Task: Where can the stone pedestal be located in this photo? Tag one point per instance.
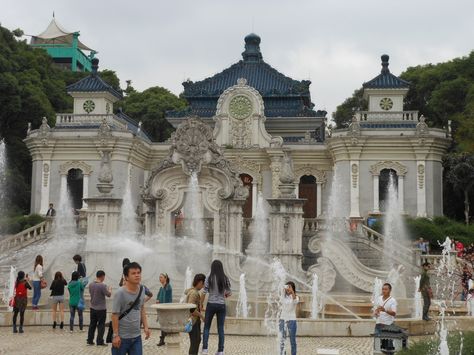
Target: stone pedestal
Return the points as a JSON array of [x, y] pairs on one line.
[[286, 232], [172, 318], [103, 215]]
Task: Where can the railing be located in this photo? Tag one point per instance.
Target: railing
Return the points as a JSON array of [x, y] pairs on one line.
[[399, 250], [70, 119], [311, 225], [25, 237], [436, 259], [387, 116]]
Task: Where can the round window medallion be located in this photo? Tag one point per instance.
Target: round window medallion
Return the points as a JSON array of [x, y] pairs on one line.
[[386, 103], [88, 106], [240, 107]]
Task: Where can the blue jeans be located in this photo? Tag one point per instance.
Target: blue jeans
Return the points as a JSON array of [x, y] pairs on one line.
[[211, 310], [290, 326], [131, 346], [72, 311], [36, 292]]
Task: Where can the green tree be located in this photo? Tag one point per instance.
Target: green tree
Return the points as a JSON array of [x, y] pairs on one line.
[[150, 106], [344, 112], [460, 174]]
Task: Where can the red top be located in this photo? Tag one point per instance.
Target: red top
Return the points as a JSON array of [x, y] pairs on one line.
[[21, 290]]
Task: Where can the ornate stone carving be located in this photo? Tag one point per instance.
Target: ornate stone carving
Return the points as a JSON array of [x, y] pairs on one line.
[[240, 107], [354, 127], [45, 174], [310, 169], [275, 168], [421, 176], [105, 174], [355, 174], [104, 129], [44, 129], [241, 133], [388, 164], [422, 127], [287, 175], [75, 164], [247, 166]]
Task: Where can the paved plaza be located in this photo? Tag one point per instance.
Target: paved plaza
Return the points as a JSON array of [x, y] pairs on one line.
[[46, 341]]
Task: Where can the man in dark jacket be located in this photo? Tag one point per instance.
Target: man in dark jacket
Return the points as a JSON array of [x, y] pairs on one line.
[[425, 290]]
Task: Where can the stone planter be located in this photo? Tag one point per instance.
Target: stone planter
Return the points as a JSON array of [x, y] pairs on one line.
[[172, 318]]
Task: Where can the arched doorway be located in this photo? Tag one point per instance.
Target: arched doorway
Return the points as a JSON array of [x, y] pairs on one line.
[[384, 181], [75, 183], [307, 189], [247, 208]]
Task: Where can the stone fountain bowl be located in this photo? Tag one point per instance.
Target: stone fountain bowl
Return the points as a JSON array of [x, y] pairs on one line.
[[173, 316]]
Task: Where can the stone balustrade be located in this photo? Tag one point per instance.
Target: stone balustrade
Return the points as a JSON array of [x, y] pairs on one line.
[[363, 116], [25, 237], [70, 119], [311, 225], [436, 259]]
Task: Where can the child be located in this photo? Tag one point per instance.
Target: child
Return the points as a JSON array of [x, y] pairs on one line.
[[22, 284], [194, 296]]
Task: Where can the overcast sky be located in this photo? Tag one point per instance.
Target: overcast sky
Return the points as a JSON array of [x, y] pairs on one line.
[[336, 44]]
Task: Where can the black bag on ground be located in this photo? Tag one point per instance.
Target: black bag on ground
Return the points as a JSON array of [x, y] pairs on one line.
[[110, 331]]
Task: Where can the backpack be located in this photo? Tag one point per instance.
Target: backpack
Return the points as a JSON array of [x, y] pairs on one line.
[[20, 290]]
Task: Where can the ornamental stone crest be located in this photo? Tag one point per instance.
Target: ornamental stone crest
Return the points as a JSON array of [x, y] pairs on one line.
[[422, 127], [287, 175], [240, 107], [388, 164], [75, 164], [309, 169]]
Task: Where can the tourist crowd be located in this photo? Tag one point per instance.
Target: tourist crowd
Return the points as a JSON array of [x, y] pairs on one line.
[[128, 300]]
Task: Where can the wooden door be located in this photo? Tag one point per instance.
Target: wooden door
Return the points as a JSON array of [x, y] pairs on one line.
[[307, 189], [247, 208]]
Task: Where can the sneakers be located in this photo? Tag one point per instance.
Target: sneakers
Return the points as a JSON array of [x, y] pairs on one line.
[[220, 353], [91, 343], [204, 352]]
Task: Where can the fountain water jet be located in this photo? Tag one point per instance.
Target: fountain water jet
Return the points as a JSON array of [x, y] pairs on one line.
[[376, 293], [242, 304], [65, 221], [188, 282], [418, 306], [128, 217], [315, 306], [3, 168]]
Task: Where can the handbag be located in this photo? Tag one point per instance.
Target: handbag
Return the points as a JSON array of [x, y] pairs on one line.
[[11, 302], [43, 283], [81, 305], [110, 331], [188, 326]]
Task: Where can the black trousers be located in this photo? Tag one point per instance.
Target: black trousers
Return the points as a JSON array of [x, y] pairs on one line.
[[98, 318], [195, 338], [15, 315], [426, 304]]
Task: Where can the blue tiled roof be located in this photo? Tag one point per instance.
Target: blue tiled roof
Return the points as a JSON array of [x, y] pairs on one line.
[[386, 80], [93, 83], [283, 96]]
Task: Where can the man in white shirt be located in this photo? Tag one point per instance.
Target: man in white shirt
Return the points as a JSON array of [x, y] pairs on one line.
[[386, 310]]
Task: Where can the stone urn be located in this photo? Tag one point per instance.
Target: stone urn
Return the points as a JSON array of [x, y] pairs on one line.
[[172, 318]]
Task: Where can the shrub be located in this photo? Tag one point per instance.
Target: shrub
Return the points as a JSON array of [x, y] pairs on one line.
[[15, 224], [430, 347]]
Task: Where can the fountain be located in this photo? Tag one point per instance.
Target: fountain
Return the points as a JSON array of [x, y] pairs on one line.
[[315, 306], [394, 228], [188, 283], [418, 305], [193, 209], [242, 304], [128, 217], [259, 244], [376, 293], [65, 221], [338, 204]]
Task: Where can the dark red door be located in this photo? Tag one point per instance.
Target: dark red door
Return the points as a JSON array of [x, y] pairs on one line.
[[247, 209], [307, 190]]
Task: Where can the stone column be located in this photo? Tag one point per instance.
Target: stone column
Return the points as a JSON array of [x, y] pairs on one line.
[[85, 190], [45, 186], [401, 193], [420, 190], [319, 206], [355, 211], [376, 193], [275, 167]]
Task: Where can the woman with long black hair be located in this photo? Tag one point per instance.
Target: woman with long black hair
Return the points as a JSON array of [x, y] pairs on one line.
[[22, 285], [217, 285]]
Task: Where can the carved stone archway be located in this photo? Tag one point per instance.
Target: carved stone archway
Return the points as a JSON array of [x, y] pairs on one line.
[[401, 171]]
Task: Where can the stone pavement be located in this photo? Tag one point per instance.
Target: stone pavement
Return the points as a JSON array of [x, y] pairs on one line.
[[38, 340]]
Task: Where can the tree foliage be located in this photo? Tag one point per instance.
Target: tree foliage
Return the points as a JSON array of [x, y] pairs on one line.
[[150, 106], [344, 112]]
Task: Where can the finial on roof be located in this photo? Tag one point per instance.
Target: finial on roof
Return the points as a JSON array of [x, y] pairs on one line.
[[385, 59], [252, 48], [95, 65]]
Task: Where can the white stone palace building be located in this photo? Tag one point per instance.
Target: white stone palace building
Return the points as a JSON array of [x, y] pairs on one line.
[[256, 116]]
